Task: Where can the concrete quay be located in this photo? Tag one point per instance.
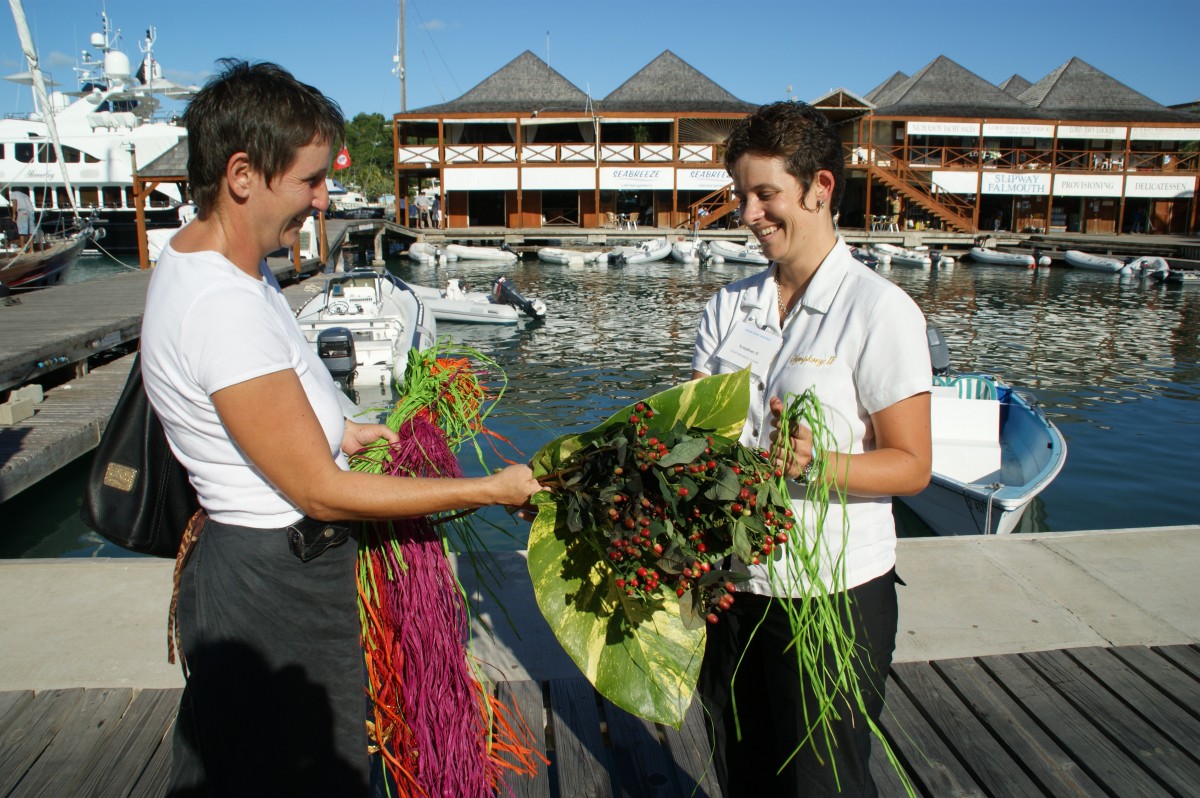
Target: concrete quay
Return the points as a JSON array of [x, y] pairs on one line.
[[102, 623]]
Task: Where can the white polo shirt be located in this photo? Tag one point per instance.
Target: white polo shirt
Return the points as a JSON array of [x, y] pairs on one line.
[[859, 342]]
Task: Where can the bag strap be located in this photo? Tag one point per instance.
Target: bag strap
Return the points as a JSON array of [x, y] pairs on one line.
[[190, 534]]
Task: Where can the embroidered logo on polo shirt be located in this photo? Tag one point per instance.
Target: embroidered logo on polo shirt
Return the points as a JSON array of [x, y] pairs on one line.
[[812, 360]]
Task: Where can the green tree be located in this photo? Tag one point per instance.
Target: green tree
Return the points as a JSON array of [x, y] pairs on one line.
[[369, 140]]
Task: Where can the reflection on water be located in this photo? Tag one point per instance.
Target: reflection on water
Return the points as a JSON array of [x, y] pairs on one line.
[[1115, 364]]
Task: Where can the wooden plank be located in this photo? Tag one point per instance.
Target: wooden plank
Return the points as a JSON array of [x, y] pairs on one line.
[[114, 767], [1071, 729], [12, 704], [526, 697], [29, 734], [643, 768], [1148, 700], [583, 764], [887, 780], [1164, 674], [990, 764], [934, 769], [60, 767], [1156, 753], [689, 748], [1035, 751], [1185, 657], [152, 783]]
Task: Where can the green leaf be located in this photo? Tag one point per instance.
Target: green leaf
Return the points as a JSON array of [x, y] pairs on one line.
[[741, 542], [684, 452], [646, 666]]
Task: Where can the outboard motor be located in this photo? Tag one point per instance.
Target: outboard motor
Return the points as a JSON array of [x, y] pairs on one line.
[[506, 293], [335, 347], [939, 352]]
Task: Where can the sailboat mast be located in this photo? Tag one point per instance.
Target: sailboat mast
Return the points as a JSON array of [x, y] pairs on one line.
[[43, 99], [399, 58]]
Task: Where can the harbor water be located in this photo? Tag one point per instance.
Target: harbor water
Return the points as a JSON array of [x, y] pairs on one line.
[[1114, 362]]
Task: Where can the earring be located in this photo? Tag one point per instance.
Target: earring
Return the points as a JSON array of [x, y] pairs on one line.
[[820, 205]]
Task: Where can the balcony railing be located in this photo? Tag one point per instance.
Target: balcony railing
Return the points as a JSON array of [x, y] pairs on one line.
[[623, 153], [1066, 160]]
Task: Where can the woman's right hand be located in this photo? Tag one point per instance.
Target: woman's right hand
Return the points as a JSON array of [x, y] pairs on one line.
[[514, 485]]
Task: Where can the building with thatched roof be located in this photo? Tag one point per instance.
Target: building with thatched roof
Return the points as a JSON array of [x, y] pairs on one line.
[[528, 148], [1076, 151]]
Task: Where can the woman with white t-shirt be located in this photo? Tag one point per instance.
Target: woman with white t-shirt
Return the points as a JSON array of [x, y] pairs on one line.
[[275, 695], [814, 319]]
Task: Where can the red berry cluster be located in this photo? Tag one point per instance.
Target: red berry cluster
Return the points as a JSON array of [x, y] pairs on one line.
[[666, 508]]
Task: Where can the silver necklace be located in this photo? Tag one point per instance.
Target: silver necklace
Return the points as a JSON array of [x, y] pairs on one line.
[[783, 311]]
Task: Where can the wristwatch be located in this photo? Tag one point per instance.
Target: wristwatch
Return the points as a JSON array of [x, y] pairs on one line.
[[806, 472]]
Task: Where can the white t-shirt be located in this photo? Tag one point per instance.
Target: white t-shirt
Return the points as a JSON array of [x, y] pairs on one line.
[[859, 342], [208, 325]]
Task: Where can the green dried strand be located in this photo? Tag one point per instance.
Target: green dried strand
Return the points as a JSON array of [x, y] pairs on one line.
[[816, 618]]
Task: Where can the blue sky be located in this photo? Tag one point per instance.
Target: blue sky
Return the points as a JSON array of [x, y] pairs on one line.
[[758, 51]]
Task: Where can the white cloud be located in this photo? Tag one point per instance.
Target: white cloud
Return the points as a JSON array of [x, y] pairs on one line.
[[435, 24]]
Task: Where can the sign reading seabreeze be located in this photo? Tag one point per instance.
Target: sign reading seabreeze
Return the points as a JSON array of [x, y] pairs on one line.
[[701, 179], [1032, 183], [633, 178]]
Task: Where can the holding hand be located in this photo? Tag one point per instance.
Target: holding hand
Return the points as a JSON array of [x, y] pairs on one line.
[[356, 435], [514, 486], [800, 449]]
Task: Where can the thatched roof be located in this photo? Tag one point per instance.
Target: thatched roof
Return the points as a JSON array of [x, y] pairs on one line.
[[1077, 90], [883, 88], [1015, 85], [523, 85], [943, 88], [670, 84], [171, 165]]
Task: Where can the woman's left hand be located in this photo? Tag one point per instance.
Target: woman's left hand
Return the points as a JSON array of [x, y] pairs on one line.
[[800, 449], [358, 435]]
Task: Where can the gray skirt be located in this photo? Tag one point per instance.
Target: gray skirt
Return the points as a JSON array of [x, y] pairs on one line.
[[275, 702]]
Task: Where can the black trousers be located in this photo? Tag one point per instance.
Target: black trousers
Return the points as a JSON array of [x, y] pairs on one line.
[[275, 701], [773, 698]]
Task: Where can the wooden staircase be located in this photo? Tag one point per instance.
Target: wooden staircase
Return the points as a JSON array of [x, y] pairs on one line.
[[707, 210], [918, 187]]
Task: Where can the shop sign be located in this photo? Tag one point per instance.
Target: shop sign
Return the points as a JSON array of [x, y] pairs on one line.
[[943, 128], [1090, 132], [1165, 134], [1087, 185], [1149, 186], [537, 178], [635, 178], [956, 182], [1015, 183], [701, 179], [1018, 131]]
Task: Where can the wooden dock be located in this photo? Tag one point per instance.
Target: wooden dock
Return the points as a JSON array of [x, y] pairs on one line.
[[1121, 721]]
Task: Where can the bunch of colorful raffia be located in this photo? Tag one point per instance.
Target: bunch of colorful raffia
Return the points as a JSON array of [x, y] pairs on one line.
[[436, 724]]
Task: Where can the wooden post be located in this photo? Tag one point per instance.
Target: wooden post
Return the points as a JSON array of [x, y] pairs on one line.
[[139, 211], [322, 239]]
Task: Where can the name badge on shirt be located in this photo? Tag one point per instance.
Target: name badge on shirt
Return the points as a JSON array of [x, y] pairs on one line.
[[750, 345]]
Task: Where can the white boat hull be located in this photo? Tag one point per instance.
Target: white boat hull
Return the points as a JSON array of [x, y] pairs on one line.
[[738, 253], [985, 486], [687, 251], [899, 256], [649, 251], [566, 257], [491, 254], [384, 315], [995, 258], [1095, 263]]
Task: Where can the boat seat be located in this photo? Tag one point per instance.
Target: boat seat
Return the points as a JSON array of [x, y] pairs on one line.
[[966, 438], [975, 388]]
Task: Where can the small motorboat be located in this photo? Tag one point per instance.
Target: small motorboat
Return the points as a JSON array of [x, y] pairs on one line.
[[749, 252], [500, 254], [45, 265], [689, 250], [363, 324], [865, 257], [995, 257], [902, 256], [502, 305], [1096, 263], [648, 251], [1151, 268], [424, 253], [567, 257], [994, 451]]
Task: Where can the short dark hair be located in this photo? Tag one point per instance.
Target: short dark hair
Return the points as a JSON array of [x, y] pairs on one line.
[[799, 134], [259, 109]]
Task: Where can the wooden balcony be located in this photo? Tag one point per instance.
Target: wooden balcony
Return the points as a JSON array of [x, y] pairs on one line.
[[424, 156]]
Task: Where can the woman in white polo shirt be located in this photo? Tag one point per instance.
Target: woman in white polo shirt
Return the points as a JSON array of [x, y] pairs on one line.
[[815, 318]]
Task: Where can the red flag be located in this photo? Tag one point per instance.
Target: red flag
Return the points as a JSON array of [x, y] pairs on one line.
[[342, 160]]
